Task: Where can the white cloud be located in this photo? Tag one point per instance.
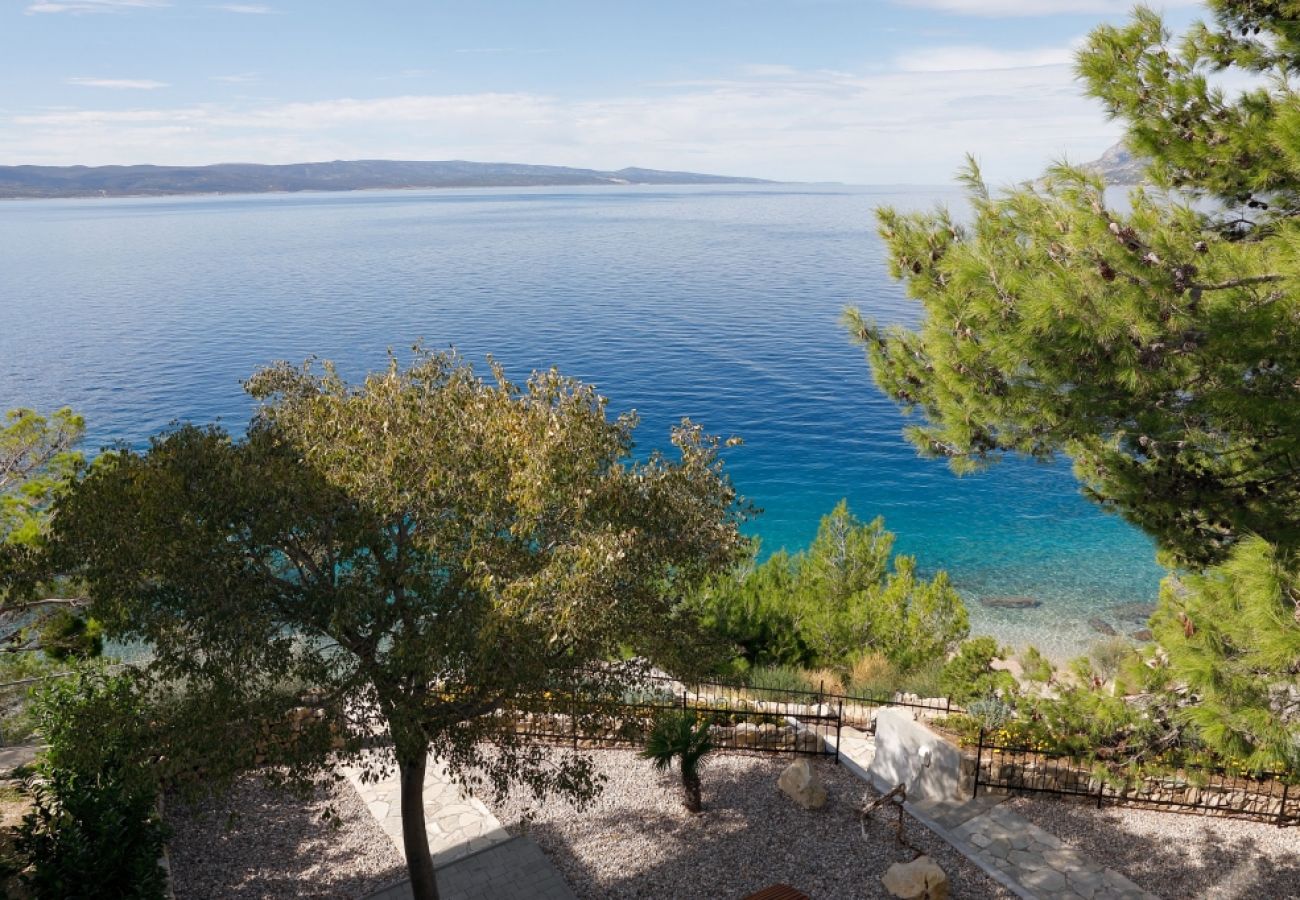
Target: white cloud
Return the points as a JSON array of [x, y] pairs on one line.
[[247, 9], [1017, 8], [240, 78], [1015, 114], [121, 84], [977, 59], [77, 7]]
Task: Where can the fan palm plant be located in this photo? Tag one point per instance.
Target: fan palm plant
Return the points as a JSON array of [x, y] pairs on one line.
[[681, 735]]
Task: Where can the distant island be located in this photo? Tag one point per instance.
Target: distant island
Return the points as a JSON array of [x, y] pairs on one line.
[[1118, 166], [18, 182]]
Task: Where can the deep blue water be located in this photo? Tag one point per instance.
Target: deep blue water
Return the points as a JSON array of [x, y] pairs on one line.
[[721, 304]]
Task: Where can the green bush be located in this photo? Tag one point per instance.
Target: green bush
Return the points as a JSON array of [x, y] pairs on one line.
[[94, 831], [782, 682], [1036, 666], [970, 674], [1108, 656], [680, 735], [846, 596], [991, 713], [68, 636], [92, 836]]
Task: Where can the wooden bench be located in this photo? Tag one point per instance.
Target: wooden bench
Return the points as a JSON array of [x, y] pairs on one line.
[[779, 892]]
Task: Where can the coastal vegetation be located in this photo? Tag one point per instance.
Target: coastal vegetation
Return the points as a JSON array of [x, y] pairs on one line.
[[1155, 345], [390, 563], [415, 563], [846, 601]]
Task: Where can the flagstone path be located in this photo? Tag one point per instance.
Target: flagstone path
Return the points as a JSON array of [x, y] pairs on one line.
[[458, 825], [475, 858], [1023, 857]]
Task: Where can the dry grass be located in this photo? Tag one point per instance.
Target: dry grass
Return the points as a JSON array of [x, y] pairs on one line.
[[15, 803]]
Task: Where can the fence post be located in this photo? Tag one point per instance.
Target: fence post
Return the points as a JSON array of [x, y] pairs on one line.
[[1281, 810], [839, 723], [1101, 792], [979, 759]]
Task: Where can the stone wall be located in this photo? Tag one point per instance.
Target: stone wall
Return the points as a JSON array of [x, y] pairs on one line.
[[1261, 799]]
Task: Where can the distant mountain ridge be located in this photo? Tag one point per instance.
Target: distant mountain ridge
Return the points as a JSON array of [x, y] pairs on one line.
[[353, 175], [1119, 166]]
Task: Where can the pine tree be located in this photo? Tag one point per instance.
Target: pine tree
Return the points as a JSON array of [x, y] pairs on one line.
[[1157, 345]]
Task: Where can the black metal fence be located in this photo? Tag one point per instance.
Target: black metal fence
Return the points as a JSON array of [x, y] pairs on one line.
[[1262, 797], [740, 718]]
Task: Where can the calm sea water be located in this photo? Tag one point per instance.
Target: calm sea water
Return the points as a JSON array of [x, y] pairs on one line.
[[721, 304]]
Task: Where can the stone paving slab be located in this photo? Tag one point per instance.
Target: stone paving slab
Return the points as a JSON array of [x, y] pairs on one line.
[[457, 824], [1031, 862], [515, 869]]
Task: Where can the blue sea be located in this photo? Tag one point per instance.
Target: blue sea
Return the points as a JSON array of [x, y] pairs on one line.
[[717, 303]]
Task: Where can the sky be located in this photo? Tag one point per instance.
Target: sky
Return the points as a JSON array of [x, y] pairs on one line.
[[855, 91]]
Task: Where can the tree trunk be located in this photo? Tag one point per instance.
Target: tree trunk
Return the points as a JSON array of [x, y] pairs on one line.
[[691, 792], [415, 838]]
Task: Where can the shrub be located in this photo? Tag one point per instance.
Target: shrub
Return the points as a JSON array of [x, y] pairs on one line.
[[1109, 655], [873, 675], [68, 636], [924, 681], [970, 674], [94, 832], [1036, 666], [846, 595], [92, 836], [680, 735], [991, 713], [781, 682]]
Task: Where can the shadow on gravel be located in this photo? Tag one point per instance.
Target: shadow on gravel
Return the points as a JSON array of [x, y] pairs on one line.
[[750, 836], [1181, 856], [257, 842]]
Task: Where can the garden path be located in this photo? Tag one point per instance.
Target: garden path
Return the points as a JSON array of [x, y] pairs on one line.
[[1018, 854], [475, 858], [458, 824]]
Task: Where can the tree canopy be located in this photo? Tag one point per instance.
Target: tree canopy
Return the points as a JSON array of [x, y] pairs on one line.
[[836, 601], [38, 460], [1155, 342], [1156, 345], [410, 554], [37, 457]]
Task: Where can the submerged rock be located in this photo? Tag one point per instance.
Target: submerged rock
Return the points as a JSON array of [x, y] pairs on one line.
[[1011, 602], [1144, 635], [1101, 626], [1137, 613]]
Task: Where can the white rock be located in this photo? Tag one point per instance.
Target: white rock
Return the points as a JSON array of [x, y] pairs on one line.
[[920, 879], [800, 783]]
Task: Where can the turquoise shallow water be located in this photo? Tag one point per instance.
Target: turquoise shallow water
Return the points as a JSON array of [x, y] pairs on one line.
[[717, 303]]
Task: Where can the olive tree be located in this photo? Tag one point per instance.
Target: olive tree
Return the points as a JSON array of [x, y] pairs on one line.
[[417, 553]]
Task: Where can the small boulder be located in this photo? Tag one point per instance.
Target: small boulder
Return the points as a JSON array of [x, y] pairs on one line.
[[1144, 635], [800, 783], [920, 879], [1101, 626]]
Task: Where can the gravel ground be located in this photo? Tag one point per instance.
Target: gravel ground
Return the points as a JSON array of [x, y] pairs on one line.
[[1176, 855], [279, 846], [637, 840]]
